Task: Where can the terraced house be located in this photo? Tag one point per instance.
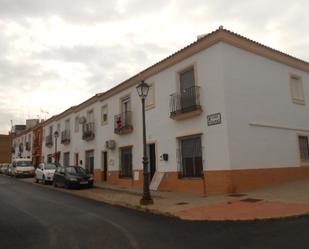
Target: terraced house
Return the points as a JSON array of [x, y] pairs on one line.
[[26, 143], [224, 114]]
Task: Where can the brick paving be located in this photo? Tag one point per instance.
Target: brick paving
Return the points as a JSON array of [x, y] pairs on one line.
[[240, 210], [291, 199]]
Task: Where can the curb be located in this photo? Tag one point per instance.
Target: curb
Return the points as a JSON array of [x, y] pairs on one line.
[[158, 212]]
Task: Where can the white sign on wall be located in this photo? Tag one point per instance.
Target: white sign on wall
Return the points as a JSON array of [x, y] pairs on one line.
[[214, 119]]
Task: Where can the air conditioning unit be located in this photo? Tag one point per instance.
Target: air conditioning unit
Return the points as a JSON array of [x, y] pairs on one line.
[[110, 144], [82, 120]]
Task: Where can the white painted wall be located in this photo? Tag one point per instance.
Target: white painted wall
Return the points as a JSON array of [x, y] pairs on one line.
[[23, 139], [257, 90], [160, 127], [243, 87]]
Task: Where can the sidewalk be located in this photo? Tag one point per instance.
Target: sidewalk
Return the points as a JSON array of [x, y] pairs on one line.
[[291, 199]]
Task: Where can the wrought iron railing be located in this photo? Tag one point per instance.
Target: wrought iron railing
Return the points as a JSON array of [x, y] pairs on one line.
[[186, 101], [65, 137], [123, 122], [88, 131]]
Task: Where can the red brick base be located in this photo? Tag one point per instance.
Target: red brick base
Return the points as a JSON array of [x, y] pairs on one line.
[[215, 182]]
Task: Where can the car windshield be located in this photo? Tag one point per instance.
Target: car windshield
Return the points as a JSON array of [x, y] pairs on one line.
[[75, 170], [50, 166], [23, 163]]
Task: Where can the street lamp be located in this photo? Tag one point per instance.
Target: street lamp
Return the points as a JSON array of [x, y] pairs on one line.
[[56, 135], [142, 90]]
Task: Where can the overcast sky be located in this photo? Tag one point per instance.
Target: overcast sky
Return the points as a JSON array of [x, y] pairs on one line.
[[57, 53]]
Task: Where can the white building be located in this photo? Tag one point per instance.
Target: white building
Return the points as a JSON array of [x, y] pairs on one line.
[[22, 145], [224, 114]]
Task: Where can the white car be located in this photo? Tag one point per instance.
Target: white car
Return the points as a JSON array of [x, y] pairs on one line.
[[45, 172], [22, 167]]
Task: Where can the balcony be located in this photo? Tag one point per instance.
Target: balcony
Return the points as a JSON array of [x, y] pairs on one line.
[[123, 123], [28, 146], [185, 104], [65, 137], [49, 140], [88, 131]]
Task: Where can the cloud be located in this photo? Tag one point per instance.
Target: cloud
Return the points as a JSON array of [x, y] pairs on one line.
[[55, 54]]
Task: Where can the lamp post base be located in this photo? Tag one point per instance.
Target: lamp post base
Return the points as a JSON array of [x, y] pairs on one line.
[[146, 202]]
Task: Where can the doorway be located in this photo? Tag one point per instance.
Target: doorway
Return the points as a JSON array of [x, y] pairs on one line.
[[76, 159], [89, 161], [66, 159], [152, 159], [104, 165]]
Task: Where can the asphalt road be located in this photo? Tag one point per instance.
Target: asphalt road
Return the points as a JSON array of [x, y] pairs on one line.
[[33, 217]]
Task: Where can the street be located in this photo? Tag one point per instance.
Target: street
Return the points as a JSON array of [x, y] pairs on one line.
[[36, 217]]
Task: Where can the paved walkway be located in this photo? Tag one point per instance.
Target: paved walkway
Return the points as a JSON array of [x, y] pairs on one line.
[[291, 199]]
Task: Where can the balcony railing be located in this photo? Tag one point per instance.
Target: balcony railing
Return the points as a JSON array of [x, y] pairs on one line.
[[65, 137], [49, 140], [188, 101], [123, 123], [88, 131]]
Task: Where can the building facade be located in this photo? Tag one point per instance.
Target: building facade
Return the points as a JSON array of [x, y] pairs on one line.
[[225, 114], [5, 148], [24, 140], [37, 156]]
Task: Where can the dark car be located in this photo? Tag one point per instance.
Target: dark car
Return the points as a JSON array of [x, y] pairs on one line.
[[72, 177]]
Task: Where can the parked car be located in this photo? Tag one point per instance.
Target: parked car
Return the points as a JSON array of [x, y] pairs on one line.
[[23, 167], [45, 172], [72, 176], [4, 169]]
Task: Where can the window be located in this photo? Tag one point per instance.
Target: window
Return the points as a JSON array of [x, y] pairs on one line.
[[125, 104], [104, 115], [186, 80], [303, 148], [76, 127], [66, 159], [126, 162], [150, 100], [297, 90], [50, 130], [90, 116], [58, 127], [191, 156], [67, 125]]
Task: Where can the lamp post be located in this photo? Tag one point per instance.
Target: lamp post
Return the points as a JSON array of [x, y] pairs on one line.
[[56, 135], [142, 90]]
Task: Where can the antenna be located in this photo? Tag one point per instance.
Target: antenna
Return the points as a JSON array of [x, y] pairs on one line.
[[44, 112]]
